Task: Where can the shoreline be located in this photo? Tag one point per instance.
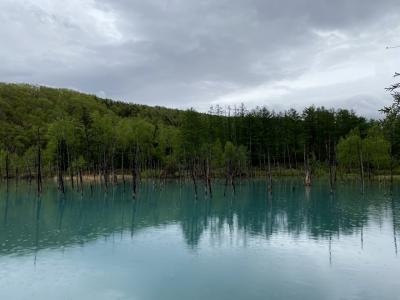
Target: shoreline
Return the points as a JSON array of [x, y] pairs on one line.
[[275, 175]]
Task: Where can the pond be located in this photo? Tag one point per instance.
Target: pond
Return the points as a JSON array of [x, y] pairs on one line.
[[297, 243]]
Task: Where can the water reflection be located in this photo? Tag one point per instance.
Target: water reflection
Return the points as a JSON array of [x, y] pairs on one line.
[[29, 224]]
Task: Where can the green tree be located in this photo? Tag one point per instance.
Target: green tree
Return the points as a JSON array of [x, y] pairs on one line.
[[348, 150], [376, 148]]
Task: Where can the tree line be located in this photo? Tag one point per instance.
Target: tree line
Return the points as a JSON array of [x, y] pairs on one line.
[[59, 133]]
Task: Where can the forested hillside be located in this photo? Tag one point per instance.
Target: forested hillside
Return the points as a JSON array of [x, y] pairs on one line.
[[63, 132]]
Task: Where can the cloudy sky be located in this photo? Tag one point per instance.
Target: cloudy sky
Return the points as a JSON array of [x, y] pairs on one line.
[[197, 53]]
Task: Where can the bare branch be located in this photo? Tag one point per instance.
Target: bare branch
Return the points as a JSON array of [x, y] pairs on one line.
[[393, 87]]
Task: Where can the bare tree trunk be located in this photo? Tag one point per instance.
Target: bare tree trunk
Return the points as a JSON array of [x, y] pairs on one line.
[[135, 168], [71, 173], [39, 166], [205, 177], [209, 178], [134, 176], [229, 178], [105, 169], [114, 176], [288, 153], [81, 180], [134, 179], [331, 163], [334, 165], [332, 174], [77, 179], [16, 175], [123, 171], [60, 170], [7, 168], [233, 181], [391, 169], [307, 171], [94, 174], [361, 169], [226, 183], [284, 157], [194, 179], [29, 172], [269, 174], [61, 181]]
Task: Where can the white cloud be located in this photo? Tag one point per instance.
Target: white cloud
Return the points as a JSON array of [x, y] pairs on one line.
[[197, 53]]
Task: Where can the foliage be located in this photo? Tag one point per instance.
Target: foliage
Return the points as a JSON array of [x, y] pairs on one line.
[[348, 149], [78, 130]]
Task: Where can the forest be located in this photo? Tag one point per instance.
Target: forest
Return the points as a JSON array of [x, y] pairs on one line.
[[75, 137]]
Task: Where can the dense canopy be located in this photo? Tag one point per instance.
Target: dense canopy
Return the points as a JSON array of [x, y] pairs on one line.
[[79, 133]]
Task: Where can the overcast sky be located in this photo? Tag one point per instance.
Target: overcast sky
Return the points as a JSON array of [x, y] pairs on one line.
[[197, 53]]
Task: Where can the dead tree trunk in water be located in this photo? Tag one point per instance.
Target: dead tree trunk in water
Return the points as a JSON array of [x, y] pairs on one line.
[[269, 174], [391, 168], [81, 179], [71, 171], [209, 178], [60, 181], [122, 167], [114, 175], [332, 176], [194, 178], [288, 153], [360, 154], [229, 178], [226, 180], [16, 175], [7, 168], [233, 181], [205, 177], [39, 165], [29, 172], [60, 170], [307, 171], [134, 178], [332, 166], [135, 171], [105, 169]]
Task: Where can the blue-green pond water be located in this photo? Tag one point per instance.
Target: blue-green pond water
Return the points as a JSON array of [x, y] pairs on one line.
[[295, 244]]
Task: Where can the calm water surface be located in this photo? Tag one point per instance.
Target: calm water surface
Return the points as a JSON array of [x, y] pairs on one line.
[[297, 244]]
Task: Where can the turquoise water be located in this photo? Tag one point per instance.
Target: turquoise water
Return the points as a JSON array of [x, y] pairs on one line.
[[295, 244]]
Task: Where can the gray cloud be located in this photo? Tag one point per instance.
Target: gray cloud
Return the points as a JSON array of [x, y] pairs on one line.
[[196, 53]]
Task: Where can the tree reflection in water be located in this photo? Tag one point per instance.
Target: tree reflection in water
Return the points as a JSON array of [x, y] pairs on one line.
[[29, 224]]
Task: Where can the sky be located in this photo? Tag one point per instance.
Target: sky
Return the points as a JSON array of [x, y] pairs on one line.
[[199, 53]]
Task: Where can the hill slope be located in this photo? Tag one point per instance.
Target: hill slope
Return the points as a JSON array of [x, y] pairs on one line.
[[24, 106], [79, 131]]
